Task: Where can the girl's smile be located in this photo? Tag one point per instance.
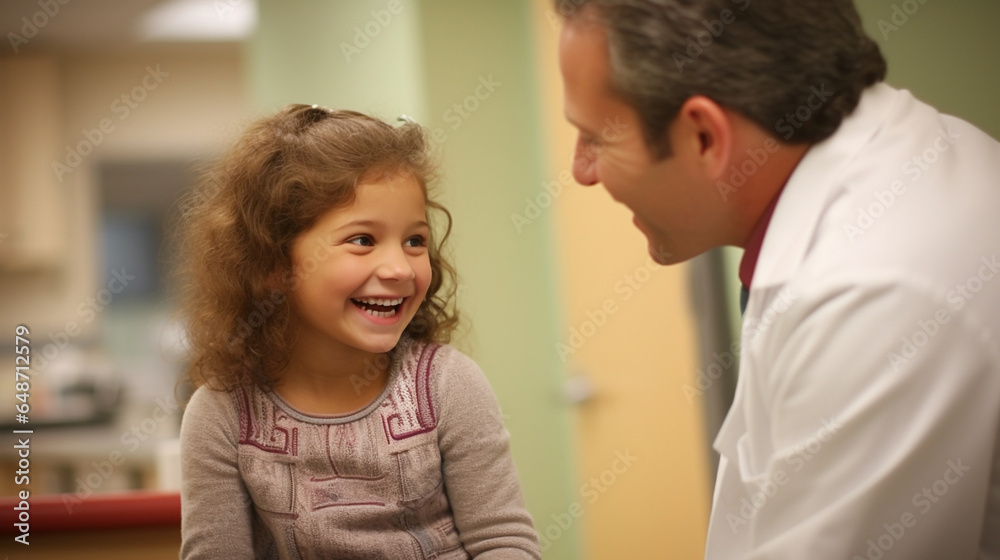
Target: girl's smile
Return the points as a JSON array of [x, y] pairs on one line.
[[382, 310]]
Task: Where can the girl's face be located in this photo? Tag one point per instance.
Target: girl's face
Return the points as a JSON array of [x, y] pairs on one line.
[[361, 272]]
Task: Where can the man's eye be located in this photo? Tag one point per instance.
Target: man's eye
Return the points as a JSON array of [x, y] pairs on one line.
[[593, 143], [362, 240]]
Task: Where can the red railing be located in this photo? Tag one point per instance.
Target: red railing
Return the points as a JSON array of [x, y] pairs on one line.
[[66, 512]]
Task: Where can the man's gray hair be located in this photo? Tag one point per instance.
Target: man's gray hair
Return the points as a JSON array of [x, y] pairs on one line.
[[794, 67]]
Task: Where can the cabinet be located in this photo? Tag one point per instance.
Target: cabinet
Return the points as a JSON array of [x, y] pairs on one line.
[[32, 209]]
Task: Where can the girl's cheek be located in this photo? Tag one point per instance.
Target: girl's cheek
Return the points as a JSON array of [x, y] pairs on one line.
[[424, 277]]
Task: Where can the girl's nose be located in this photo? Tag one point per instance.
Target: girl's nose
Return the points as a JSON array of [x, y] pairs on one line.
[[395, 266], [584, 163]]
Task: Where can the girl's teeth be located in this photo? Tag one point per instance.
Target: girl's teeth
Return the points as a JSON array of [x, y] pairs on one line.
[[379, 301], [381, 314]]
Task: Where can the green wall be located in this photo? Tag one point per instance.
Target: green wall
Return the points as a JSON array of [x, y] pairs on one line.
[[298, 56], [947, 52], [493, 160], [466, 70]]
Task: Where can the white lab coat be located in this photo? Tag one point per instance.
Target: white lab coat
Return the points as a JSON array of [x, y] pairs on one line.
[[865, 422]]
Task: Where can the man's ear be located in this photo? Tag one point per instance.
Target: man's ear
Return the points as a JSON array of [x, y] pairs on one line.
[[705, 130]]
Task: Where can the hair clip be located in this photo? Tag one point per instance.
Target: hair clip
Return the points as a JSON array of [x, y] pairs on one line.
[[406, 119]]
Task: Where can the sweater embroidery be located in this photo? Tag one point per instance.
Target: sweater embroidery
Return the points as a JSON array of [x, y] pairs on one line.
[[418, 417]]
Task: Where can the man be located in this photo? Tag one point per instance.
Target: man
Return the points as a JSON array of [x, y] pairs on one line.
[[865, 422]]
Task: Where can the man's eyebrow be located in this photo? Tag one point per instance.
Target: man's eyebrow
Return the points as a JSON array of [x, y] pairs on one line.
[[579, 126]]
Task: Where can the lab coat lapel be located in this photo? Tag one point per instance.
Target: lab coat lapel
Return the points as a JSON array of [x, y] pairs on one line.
[[793, 226], [816, 181], [813, 185]]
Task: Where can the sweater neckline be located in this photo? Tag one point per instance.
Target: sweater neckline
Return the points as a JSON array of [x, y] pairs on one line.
[[395, 365]]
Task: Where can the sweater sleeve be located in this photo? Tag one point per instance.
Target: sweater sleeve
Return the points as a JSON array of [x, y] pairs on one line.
[[479, 474], [216, 516]]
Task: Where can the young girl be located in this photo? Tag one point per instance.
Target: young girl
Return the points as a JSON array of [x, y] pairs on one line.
[[330, 420]]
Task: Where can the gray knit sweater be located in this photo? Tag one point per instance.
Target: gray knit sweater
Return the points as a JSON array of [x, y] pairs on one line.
[[424, 471]]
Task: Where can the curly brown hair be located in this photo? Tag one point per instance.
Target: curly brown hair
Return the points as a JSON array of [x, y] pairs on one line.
[[237, 227]]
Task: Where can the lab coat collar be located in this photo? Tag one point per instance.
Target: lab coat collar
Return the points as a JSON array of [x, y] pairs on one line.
[[812, 184]]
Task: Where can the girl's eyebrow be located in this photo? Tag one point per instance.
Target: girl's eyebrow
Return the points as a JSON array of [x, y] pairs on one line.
[[375, 223]]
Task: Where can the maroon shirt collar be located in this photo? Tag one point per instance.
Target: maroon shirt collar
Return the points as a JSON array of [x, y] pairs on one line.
[[752, 251]]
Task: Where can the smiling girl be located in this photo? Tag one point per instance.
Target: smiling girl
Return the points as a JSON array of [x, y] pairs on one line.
[[331, 420]]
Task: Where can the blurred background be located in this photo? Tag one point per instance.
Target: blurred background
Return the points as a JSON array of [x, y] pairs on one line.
[[613, 373]]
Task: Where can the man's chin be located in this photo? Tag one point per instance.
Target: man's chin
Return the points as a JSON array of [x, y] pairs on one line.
[[659, 257], [658, 250], [659, 253]]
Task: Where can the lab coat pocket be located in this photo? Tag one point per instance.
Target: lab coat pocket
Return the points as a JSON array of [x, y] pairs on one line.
[[753, 470]]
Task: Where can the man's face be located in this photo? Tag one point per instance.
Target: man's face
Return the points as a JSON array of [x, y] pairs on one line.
[[669, 198]]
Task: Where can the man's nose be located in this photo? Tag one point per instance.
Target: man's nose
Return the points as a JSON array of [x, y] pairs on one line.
[[584, 163]]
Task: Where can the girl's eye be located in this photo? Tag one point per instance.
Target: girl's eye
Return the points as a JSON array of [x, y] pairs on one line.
[[416, 241], [362, 240]]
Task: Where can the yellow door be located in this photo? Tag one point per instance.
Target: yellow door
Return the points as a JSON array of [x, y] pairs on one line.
[[628, 341]]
